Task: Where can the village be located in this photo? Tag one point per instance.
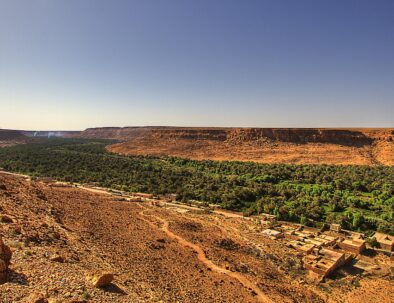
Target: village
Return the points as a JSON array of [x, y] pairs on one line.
[[322, 252]]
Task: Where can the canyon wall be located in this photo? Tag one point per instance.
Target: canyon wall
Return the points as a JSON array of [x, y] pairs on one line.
[[265, 145]]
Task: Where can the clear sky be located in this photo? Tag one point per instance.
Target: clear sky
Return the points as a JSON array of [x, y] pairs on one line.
[[72, 64]]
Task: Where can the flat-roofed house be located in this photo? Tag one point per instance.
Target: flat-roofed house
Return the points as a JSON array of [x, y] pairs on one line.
[[291, 234], [385, 241], [303, 247], [327, 240], [325, 262], [274, 234], [315, 241], [143, 195], [299, 235], [353, 245], [336, 227]]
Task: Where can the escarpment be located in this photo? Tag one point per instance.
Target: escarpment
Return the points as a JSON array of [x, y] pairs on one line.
[[10, 137], [265, 145]]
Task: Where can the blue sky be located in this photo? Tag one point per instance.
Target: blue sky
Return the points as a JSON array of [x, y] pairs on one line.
[[85, 63]]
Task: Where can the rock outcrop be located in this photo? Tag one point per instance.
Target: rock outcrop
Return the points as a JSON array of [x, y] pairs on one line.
[[5, 259]]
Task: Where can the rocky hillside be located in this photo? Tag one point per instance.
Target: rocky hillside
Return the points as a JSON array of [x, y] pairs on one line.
[[53, 250], [57, 246], [11, 137], [266, 145]]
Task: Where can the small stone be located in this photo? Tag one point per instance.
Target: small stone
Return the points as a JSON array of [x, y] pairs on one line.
[[57, 258]]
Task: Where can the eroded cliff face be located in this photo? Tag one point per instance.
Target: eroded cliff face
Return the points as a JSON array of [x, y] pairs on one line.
[[293, 135], [267, 145], [7, 134], [302, 135]]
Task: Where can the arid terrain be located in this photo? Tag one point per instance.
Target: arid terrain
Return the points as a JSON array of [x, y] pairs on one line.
[[11, 137], [59, 235], [265, 145]]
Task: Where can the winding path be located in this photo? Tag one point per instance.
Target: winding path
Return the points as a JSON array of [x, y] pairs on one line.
[[207, 262]]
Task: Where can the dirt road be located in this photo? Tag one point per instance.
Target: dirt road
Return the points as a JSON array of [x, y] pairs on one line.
[[203, 258]]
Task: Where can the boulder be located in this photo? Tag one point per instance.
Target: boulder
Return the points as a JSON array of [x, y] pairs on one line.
[[100, 279], [5, 259]]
